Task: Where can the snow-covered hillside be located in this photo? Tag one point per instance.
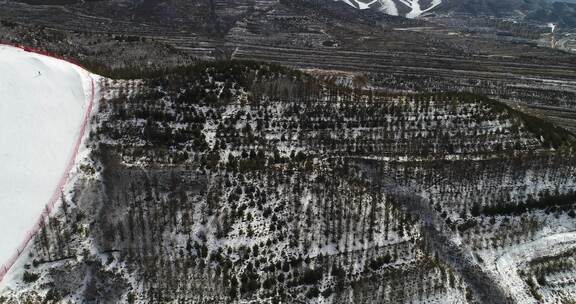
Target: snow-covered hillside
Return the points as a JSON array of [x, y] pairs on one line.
[[407, 8], [44, 104]]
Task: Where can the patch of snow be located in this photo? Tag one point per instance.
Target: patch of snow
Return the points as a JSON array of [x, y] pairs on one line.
[[359, 4], [390, 6], [43, 102], [506, 265], [416, 8]]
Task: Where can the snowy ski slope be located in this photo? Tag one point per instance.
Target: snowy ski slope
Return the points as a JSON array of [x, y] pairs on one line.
[[44, 104], [391, 7]]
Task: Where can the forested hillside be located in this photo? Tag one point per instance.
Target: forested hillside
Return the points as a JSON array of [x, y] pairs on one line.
[[244, 182]]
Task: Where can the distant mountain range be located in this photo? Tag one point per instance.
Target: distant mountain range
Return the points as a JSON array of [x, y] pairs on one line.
[[204, 12], [563, 12]]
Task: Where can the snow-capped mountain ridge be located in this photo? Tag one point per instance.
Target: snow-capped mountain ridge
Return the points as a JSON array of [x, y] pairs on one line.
[[407, 8]]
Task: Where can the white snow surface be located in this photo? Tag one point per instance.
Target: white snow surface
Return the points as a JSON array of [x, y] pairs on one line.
[[43, 101], [390, 7], [507, 263]]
